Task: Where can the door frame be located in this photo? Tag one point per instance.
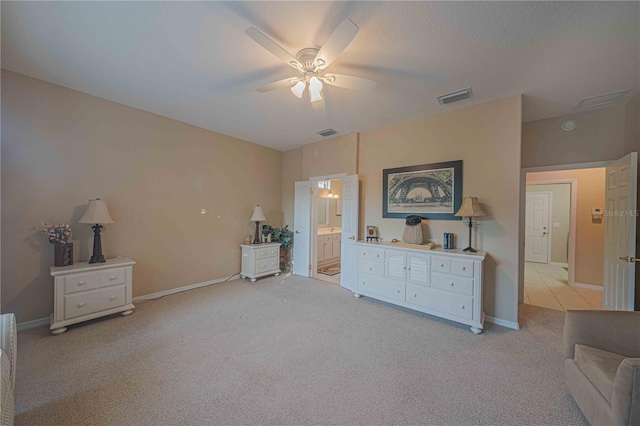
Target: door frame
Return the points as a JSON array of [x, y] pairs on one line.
[[549, 222], [573, 205], [313, 230], [523, 201]]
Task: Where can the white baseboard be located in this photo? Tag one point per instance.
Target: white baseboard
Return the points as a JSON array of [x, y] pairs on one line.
[[566, 265], [503, 323], [160, 294], [33, 324], [589, 286]]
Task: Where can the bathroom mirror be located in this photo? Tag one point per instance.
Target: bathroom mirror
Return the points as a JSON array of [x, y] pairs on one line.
[[323, 212]]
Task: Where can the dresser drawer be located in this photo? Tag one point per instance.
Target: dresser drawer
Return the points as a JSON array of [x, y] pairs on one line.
[[81, 282], [373, 254], [449, 303], [266, 265], [113, 276], [262, 253], [88, 302], [453, 284], [336, 237], [462, 267], [371, 268], [383, 287], [441, 264]]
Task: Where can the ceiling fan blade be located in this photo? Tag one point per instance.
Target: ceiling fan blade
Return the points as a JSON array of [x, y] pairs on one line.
[[318, 106], [272, 47], [287, 82], [349, 82], [337, 42]]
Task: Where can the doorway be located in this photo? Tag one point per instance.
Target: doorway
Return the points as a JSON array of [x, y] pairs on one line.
[[563, 245], [329, 230]]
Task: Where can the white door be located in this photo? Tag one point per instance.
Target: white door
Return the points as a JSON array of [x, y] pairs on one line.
[[301, 228], [536, 233], [620, 233], [348, 254]]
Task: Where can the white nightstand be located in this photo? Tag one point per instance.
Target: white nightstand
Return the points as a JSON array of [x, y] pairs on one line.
[[86, 291], [259, 260]]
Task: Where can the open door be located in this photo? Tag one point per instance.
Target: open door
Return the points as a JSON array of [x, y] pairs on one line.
[[620, 233], [536, 231], [348, 256], [302, 228]]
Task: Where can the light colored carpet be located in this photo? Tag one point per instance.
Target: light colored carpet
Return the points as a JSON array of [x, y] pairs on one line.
[[290, 350]]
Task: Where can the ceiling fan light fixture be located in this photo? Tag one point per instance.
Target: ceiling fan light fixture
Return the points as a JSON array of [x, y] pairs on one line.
[[298, 89], [315, 89]]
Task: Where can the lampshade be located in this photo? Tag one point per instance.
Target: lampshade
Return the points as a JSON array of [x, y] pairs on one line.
[[470, 208], [315, 87], [96, 212], [258, 215], [298, 89]]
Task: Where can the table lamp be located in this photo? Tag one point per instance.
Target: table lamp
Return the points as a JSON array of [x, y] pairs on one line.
[[257, 217], [470, 208], [97, 214]]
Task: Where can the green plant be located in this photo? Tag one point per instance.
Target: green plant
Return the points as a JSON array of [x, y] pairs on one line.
[[283, 236]]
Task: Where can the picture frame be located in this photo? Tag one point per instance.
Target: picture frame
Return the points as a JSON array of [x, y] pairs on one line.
[[431, 191]]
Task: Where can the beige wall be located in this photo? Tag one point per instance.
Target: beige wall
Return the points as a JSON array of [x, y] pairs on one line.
[[559, 214], [291, 173], [61, 147], [632, 128], [487, 138], [599, 136], [589, 235]]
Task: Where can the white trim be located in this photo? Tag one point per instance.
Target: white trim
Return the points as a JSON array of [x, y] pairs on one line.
[[565, 265], [589, 286], [328, 177], [561, 167], [159, 294], [504, 323], [33, 324]]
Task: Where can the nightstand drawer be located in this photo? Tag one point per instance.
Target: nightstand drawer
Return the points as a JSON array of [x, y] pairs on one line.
[[265, 265], [92, 301], [387, 288], [372, 268], [81, 282], [462, 267], [373, 254], [262, 253], [273, 251], [452, 284], [452, 304], [113, 276]]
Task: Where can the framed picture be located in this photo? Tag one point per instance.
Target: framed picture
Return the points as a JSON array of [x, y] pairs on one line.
[[432, 191]]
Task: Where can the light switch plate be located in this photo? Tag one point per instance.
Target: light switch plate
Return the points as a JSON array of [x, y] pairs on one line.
[[556, 225]]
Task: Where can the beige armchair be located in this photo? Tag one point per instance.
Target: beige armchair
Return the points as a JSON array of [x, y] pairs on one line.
[[602, 365], [8, 352]]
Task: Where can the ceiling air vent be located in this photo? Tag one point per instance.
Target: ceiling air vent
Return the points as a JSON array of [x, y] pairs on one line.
[[327, 132], [596, 101], [455, 96]]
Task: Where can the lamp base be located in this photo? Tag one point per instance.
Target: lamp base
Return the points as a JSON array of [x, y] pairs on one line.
[[256, 239], [97, 256], [97, 259], [470, 249]]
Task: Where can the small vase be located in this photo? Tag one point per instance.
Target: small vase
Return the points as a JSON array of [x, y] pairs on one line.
[[63, 254]]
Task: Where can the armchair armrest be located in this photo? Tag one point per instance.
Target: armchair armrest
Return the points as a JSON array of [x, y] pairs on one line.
[[625, 400], [612, 331], [9, 342]]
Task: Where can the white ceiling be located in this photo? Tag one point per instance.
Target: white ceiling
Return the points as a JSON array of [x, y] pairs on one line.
[[192, 61]]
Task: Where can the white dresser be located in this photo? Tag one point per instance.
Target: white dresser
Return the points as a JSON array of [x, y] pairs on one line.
[[443, 283], [259, 260], [86, 291]]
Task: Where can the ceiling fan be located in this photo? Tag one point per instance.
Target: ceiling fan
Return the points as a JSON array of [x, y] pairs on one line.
[[311, 64]]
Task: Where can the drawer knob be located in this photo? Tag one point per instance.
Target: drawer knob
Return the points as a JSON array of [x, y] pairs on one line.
[[461, 306], [370, 268], [80, 305], [452, 284], [363, 283], [398, 291], [404, 267], [81, 283], [463, 268], [112, 298], [442, 265], [415, 295], [364, 253], [377, 255], [111, 278]]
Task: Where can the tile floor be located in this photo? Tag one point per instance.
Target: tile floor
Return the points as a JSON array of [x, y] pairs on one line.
[[547, 286]]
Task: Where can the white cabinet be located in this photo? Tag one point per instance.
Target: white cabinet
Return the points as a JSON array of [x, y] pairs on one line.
[[86, 291], [447, 284], [259, 260], [329, 247]]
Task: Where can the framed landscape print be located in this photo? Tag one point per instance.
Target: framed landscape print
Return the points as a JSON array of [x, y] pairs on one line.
[[432, 191]]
